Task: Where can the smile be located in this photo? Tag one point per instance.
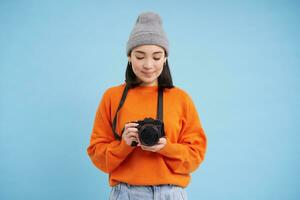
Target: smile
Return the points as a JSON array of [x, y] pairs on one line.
[[147, 74]]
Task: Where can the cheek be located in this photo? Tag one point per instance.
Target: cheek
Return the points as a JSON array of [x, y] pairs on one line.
[[135, 68], [136, 65], [160, 69]]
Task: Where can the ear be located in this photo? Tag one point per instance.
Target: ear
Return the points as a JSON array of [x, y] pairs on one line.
[[129, 58]]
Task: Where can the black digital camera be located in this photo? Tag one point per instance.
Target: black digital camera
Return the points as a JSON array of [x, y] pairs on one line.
[[149, 131]]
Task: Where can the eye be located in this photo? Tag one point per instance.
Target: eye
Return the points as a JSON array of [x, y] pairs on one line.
[[156, 58], [139, 58]]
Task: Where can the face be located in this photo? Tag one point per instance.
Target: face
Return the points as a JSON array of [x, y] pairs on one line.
[[147, 63]]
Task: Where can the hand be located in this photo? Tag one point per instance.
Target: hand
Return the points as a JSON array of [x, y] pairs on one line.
[[130, 133], [161, 144]]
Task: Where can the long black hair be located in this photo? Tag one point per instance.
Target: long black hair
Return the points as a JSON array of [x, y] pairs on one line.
[[164, 79]]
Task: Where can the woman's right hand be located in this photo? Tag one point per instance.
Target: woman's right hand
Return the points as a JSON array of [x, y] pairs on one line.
[[130, 133]]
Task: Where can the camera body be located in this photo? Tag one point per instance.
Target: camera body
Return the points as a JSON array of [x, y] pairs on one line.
[[150, 130]]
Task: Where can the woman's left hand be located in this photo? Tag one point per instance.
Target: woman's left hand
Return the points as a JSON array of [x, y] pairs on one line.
[[161, 143]]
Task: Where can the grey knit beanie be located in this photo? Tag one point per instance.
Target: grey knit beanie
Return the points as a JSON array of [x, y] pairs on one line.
[[148, 29]]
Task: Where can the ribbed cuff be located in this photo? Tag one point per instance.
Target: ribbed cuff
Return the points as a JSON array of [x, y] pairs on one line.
[[124, 149]]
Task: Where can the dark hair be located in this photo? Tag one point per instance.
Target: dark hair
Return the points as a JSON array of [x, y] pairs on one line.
[[164, 79]]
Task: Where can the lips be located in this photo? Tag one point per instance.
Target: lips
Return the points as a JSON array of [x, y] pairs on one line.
[[147, 74]]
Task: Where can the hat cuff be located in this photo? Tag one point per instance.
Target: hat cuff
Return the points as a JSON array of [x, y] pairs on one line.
[[147, 38]]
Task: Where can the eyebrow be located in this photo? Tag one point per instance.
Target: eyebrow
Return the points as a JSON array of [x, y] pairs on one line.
[[153, 52]]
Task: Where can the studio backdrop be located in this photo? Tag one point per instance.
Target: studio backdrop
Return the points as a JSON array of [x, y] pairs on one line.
[[238, 60]]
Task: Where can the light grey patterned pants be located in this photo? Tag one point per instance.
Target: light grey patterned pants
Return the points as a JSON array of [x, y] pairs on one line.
[[124, 191]]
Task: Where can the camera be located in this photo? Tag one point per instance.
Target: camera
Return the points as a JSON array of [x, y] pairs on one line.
[[149, 131]]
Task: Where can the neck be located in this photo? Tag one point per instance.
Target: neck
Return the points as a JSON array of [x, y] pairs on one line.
[[155, 83]]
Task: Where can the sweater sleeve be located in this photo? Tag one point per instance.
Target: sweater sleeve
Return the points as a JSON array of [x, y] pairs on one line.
[[104, 150], [186, 155]]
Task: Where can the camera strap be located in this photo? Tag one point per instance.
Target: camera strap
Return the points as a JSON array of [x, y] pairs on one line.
[[125, 92], [159, 114]]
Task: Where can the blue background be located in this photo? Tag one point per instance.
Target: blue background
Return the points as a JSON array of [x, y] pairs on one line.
[[239, 60]]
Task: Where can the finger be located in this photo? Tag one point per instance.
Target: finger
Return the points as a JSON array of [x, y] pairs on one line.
[[143, 147], [131, 130], [131, 138], [131, 124], [162, 140], [131, 134], [153, 148], [146, 148], [134, 139]]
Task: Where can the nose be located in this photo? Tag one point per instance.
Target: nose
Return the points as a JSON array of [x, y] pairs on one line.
[[148, 64]]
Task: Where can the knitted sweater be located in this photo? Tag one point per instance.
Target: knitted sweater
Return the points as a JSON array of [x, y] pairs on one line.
[[186, 140]]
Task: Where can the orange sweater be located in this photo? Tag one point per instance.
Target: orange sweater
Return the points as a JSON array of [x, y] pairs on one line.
[[186, 140]]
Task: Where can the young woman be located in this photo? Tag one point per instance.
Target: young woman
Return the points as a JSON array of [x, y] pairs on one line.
[[147, 134]]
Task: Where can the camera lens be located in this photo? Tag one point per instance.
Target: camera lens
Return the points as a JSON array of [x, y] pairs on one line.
[[149, 135]]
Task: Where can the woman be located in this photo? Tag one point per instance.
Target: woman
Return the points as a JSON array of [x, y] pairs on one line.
[[147, 135]]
